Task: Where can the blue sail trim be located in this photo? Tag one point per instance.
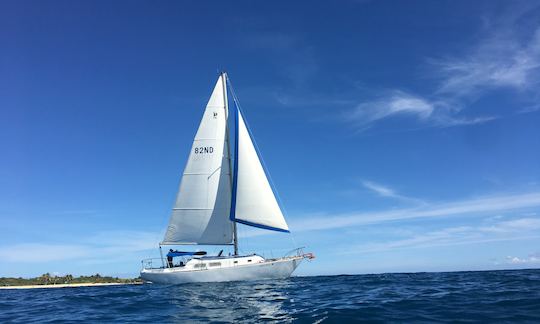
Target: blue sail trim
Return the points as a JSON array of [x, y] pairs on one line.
[[261, 226], [232, 215]]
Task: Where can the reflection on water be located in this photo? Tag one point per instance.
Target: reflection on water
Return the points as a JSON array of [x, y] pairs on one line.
[[229, 302]]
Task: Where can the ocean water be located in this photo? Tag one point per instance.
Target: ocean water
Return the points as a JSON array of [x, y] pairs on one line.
[[494, 296]]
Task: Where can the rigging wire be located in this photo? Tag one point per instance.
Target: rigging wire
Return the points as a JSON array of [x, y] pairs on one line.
[[274, 189]]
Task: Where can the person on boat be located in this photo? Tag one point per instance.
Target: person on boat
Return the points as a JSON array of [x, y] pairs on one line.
[[170, 258]]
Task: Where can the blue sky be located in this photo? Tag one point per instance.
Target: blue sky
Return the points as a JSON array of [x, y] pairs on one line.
[[401, 136]]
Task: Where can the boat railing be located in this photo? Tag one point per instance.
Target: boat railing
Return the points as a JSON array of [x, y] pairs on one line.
[[299, 252], [153, 263], [295, 252], [157, 263]]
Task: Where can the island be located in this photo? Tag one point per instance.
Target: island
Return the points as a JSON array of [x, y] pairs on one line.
[[50, 281]]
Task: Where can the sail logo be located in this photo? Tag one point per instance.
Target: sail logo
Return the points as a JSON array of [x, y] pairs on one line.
[[204, 149]]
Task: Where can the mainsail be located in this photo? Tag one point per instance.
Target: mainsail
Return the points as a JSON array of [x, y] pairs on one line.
[[253, 201], [200, 214]]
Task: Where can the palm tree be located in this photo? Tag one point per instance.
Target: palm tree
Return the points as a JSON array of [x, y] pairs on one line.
[[45, 278]]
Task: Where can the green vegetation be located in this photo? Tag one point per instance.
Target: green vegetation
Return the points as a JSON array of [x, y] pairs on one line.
[[48, 279]]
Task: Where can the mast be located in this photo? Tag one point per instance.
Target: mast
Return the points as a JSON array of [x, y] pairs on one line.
[[224, 76]]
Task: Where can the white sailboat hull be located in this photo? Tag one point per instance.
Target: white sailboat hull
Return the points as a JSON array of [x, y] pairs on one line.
[[268, 269], [218, 190]]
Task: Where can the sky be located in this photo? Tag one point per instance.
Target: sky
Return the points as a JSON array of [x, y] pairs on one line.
[[400, 136]]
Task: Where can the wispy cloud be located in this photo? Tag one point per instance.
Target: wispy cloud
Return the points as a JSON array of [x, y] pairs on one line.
[[505, 57], [499, 61], [38, 252], [379, 189], [459, 235], [385, 191], [529, 109], [439, 113], [74, 212], [472, 207], [97, 247], [513, 225], [396, 103]]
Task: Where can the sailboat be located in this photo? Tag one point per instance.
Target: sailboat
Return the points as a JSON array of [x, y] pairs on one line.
[[223, 184]]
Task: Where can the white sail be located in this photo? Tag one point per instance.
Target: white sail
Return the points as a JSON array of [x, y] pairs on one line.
[[255, 203], [201, 212]]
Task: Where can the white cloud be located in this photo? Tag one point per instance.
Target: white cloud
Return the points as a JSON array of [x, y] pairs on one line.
[[531, 259], [472, 207], [399, 103], [379, 189], [499, 61], [74, 212], [529, 109], [35, 253], [513, 225], [123, 241], [385, 191], [111, 246], [469, 207], [505, 57], [446, 120], [518, 229]]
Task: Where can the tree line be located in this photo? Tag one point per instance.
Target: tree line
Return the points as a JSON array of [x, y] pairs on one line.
[[48, 279]]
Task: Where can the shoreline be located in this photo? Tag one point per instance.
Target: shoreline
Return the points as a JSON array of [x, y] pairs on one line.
[[74, 285]]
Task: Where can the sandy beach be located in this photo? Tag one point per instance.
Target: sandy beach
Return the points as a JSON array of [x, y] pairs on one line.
[[70, 285]]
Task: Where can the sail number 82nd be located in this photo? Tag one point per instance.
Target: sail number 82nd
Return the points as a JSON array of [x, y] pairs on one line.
[[204, 150]]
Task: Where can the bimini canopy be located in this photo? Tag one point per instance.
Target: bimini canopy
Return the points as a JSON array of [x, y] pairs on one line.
[[180, 253]]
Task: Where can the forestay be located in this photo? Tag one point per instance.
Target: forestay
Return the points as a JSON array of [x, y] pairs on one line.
[[201, 212]]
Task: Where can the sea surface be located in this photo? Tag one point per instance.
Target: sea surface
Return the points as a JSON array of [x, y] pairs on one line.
[[485, 296]]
